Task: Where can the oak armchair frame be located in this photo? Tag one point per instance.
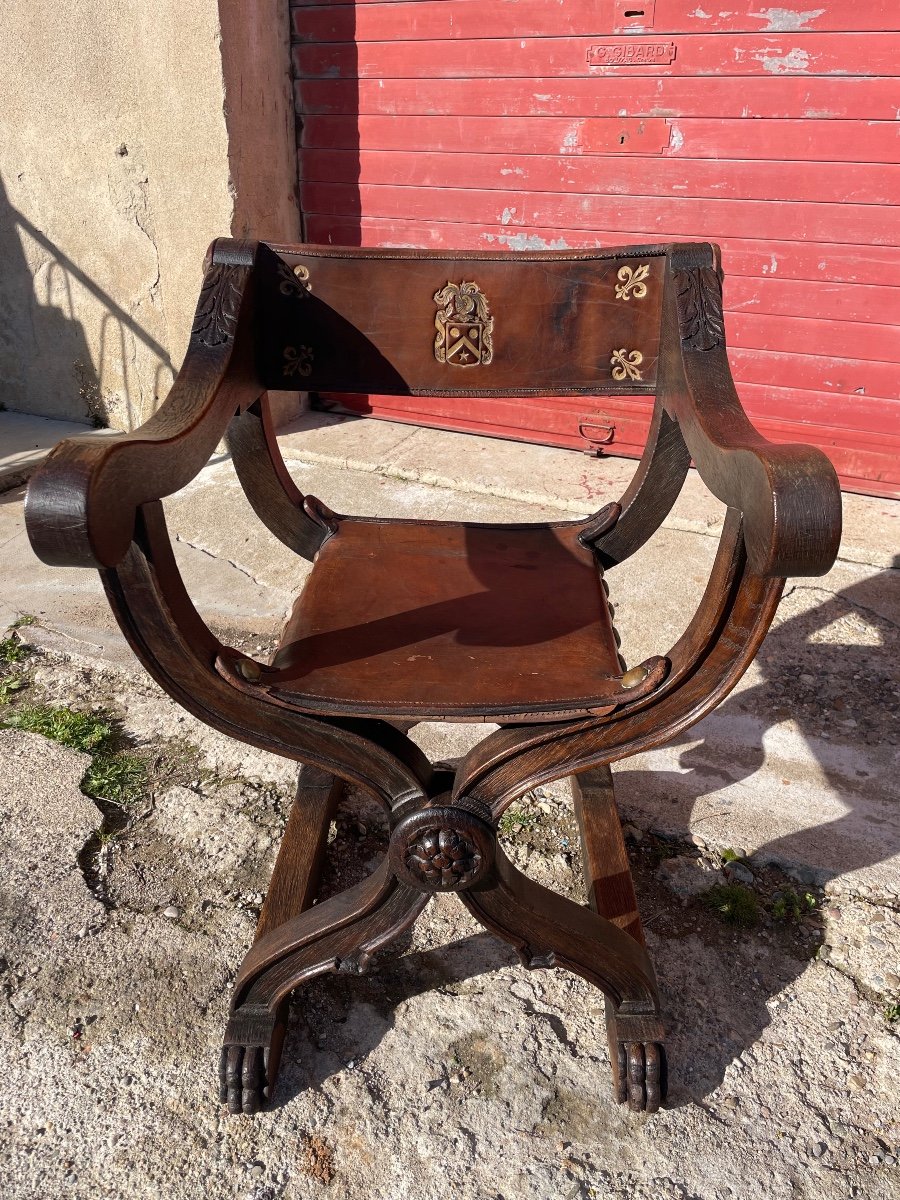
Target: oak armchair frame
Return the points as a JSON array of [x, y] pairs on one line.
[[97, 503]]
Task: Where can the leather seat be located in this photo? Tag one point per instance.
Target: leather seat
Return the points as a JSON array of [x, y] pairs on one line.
[[462, 622]]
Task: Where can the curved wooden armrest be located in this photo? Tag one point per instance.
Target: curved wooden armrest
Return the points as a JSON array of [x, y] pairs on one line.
[[789, 495], [81, 504]]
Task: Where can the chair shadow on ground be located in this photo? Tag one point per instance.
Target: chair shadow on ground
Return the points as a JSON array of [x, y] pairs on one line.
[[716, 1008], [842, 697]]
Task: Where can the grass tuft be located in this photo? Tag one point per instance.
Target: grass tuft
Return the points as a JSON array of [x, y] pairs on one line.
[[118, 778], [13, 649], [520, 818], [113, 775], [80, 731], [734, 904], [9, 684], [788, 906]]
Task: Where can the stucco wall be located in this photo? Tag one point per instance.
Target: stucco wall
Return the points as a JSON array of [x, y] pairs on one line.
[[133, 132]]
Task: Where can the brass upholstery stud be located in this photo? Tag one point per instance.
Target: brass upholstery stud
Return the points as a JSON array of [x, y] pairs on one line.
[[635, 676], [250, 670]]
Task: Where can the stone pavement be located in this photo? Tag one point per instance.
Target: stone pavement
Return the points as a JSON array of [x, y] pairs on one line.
[[449, 1071]]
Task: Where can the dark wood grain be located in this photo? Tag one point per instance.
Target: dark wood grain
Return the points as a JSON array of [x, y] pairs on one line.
[[166, 633], [341, 934], [313, 925], [607, 874], [652, 492], [637, 1050], [253, 1042], [549, 930], [274, 496], [789, 495], [295, 876], [82, 503]]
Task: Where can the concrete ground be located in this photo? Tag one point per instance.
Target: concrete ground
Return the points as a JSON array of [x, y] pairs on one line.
[[448, 1070], [26, 440]]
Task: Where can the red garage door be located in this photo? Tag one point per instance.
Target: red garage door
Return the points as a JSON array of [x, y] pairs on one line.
[[571, 123]]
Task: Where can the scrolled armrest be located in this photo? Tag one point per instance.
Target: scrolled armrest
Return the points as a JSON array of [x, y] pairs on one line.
[[789, 495], [81, 504]]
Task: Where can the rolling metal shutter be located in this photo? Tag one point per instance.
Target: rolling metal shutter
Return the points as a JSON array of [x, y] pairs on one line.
[[570, 123]]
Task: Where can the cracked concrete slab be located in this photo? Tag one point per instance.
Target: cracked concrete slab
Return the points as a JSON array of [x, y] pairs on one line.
[[783, 1068], [43, 900]]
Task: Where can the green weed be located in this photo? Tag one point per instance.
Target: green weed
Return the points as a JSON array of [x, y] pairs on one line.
[[518, 819], [891, 1013], [733, 904], [113, 775], [13, 649], [9, 684], [788, 906], [80, 731], [118, 778]]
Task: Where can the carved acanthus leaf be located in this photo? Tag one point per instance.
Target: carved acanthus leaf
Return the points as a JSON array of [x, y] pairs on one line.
[[217, 309], [702, 322]]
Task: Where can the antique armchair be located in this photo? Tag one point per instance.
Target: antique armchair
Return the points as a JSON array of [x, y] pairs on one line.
[[406, 620]]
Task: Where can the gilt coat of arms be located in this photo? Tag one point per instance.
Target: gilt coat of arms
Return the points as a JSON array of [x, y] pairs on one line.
[[464, 326]]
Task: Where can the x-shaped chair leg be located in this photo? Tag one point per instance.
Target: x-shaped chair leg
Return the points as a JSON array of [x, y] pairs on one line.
[[437, 845], [341, 934], [549, 930]]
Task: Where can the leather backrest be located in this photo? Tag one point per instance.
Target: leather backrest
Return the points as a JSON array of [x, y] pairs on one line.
[[444, 323]]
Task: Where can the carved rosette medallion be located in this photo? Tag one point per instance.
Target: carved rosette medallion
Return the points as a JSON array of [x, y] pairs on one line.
[[631, 282], [217, 308], [464, 326], [442, 849], [443, 857], [700, 317], [625, 364]]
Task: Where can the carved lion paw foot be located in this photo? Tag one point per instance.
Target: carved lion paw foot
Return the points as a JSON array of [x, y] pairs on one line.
[[639, 1075], [248, 1067], [243, 1078]]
